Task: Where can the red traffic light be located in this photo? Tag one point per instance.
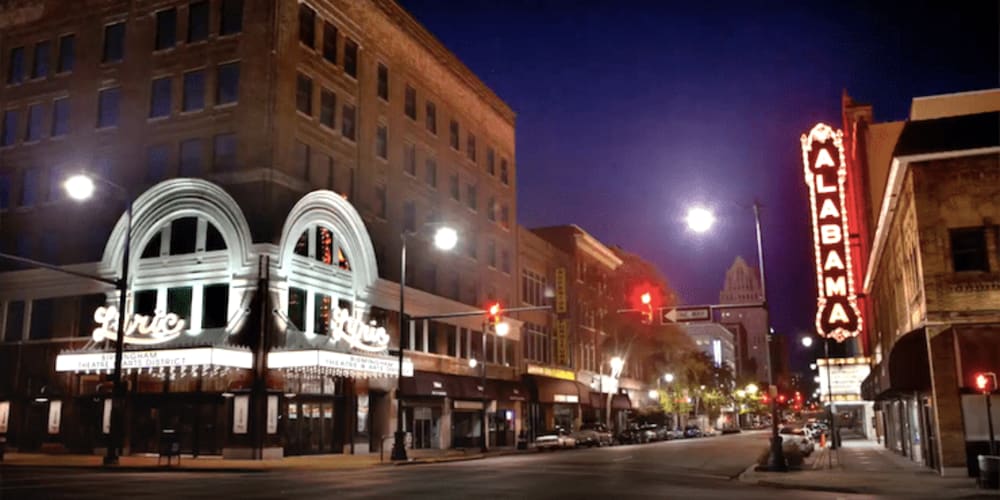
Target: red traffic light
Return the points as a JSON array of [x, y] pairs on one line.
[[493, 313], [646, 298], [985, 382], [781, 398]]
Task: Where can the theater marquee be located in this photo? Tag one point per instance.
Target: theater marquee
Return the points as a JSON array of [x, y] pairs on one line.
[[837, 314]]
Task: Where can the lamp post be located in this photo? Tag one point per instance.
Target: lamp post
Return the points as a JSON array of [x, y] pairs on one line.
[[669, 379], [701, 220], [81, 187], [445, 238]]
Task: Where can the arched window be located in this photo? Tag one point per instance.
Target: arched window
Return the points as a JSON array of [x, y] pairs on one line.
[[318, 243], [321, 282], [182, 236]]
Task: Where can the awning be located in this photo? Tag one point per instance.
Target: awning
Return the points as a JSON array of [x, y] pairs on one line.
[[193, 357], [337, 363], [904, 371], [508, 390], [431, 384], [618, 401], [551, 390]]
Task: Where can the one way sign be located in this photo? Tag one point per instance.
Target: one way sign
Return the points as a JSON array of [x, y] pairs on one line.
[[670, 315]]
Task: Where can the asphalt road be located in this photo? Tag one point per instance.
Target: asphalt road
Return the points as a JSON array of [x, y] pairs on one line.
[[697, 468]]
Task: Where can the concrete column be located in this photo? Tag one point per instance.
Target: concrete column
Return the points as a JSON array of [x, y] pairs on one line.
[[943, 354], [445, 425]]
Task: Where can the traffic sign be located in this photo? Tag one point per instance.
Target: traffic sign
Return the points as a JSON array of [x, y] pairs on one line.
[[670, 315]]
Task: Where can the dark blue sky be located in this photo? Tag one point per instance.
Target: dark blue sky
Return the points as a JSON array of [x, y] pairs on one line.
[[628, 112]]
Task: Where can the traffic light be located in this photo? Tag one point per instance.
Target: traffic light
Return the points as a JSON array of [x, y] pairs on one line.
[[781, 398], [764, 399], [986, 382], [646, 299], [493, 313]]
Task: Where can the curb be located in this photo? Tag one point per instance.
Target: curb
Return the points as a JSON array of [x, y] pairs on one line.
[[811, 487], [463, 458], [136, 469]]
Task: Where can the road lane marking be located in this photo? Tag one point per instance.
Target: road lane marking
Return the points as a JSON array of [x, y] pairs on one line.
[[622, 459]]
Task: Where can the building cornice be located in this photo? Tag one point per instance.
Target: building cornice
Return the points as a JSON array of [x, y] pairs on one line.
[[591, 246]]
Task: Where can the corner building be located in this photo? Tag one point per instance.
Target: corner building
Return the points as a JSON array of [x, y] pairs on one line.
[[320, 132]]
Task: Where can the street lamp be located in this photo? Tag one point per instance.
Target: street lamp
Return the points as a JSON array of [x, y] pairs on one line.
[[700, 220], [617, 363], [81, 187], [445, 238], [668, 378], [807, 342]]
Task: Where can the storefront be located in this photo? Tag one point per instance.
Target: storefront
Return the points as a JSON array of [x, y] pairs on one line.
[[555, 399]]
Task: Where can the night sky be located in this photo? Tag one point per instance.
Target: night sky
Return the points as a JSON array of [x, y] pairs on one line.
[[629, 112]]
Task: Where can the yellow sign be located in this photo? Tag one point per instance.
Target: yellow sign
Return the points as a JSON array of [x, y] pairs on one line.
[[546, 371], [561, 290], [562, 342]]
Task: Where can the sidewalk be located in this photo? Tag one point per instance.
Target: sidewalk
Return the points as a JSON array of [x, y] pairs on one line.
[[217, 464], [866, 467]]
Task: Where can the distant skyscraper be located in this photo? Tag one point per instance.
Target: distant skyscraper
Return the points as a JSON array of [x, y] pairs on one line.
[[742, 286]]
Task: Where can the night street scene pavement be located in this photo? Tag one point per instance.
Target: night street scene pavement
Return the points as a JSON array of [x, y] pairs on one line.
[[499, 249]]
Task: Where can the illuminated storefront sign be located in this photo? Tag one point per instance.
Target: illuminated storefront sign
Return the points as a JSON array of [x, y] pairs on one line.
[[339, 362], [166, 358], [359, 335], [837, 313], [140, 329], [546, 371], [844, 376]]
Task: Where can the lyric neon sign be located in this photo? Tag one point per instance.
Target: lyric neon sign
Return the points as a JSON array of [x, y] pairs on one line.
[[837, 314], [356, 333], [140, 329]]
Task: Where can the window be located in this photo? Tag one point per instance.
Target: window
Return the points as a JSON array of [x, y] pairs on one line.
[[491, 209], [29, 187], [194, 91], [471, 245], [491, 252], [190, 161], [430, 120], [351, 57], [968, 249], [410, 159], [303, 94], [322, 314], [503, 172], [431, 172], [380, 205], [183, 235], [330, 43], [11, 117], [231, 17], [453, 187], [301, 160], [307, 25], [228, 90], [114, 43], [107, 107], [34, 131], [327, 108], [14, 327], [197, 21], [224, 152], [470, 147], [410, 104], [40, 65], [490, 161], [15, 66], [505, 217], [215, 306], [4, 191], [383, 82], [166, 29], [160, 98], [505, 261], [42, 314], [532, 288], [470, 196], [60, 117], [179, 302], [297, 308], [382, 142], [144, 302], [409, 216], [347, 121], [453, 135], [67, 53], [157, 158]]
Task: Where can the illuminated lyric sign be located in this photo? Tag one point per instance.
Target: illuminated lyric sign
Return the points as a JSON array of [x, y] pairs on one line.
[[825, 172], [140, 329], [358, 334]]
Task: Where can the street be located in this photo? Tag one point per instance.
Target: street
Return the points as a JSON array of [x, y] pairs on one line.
[[695, 468]]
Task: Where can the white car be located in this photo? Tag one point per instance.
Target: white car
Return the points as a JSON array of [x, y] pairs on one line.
[[799, 438], [554, 439]]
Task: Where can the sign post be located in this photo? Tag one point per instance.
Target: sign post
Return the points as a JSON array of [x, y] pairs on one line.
[[690, 314]]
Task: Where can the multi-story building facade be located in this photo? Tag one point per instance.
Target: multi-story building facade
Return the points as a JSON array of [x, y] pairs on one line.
[[283, 147], [742, 286], [932, 276]]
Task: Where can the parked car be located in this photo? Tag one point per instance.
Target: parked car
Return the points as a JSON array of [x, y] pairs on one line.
[[593, 435], [692, 431], [675, 434], [797, 437], [554, 439], [634, 434], [651, 432]]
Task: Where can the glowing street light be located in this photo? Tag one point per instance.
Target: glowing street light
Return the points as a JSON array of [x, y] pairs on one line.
[[79, 187], [445, 238], [617, 363], [700, 219], [669, 377], [807, 341], [752, 389], [654, 394], [473, 363]]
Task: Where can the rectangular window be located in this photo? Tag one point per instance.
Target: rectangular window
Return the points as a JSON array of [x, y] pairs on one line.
[[297, 308], [322, 314], [231, 17], [471, 245], [194, 91], [409, 216], [330, 43], [144, 302], [347, 122], [57, 176], [505, 261], [29, 187], [504, 176], [166, 29], [179, 302], [35, 118], [4, 191], [470, 197], [228, 90], [383, 82], [410, 104], [430, 120], [224, 152], [114, 43], [491, 252], [303, 94], [410, 159], [968, 249], [453, 135], [14, 327], [453, 187], [42, 314], [67, 53], [470, 147], [157, 158], [15, 66], [380, 202], [505, 217], [307, 25], [327, 108], [351, 57], [382, 142], [215, 306], [11, 119], [40, 65], [190, 162], [183, 235], [160, 99], [491, 209], [197, 21], [107, 107], [490, 161], [431, 172], [301, 160]]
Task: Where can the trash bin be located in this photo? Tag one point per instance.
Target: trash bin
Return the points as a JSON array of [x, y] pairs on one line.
[[989, 472]]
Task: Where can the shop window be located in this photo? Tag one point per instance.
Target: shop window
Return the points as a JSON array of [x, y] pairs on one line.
[[323, 312], [152, 249], [179, 302], [183, 235], [14, 326], [968, 249], [213, 239], [297, 308], [215, 306], [144, 302]]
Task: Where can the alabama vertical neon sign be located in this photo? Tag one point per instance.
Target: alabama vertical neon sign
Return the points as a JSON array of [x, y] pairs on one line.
[[837, 314]]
